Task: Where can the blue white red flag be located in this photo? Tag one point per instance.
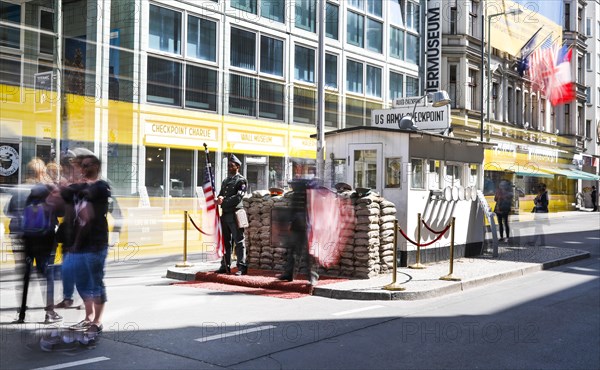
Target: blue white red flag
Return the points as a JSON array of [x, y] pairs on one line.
[[550, 72]]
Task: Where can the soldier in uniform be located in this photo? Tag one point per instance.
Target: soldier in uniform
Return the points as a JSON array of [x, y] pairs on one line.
[[230, 197]]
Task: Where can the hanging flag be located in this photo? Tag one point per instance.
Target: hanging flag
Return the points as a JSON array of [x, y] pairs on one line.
[[212, 212], [526, 50], [538, 62], [560, 85]]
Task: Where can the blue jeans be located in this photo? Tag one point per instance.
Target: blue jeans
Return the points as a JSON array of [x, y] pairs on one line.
[[89, 274], [68, 276]]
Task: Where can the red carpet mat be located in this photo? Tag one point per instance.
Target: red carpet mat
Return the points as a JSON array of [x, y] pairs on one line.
[[258, 282]]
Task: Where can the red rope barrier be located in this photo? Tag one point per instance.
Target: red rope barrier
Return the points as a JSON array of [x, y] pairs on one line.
[[438, 237], [441, 234], [433, 231], [197, 228]]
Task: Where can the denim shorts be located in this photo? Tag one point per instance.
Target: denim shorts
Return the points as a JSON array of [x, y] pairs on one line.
[[89, 274]]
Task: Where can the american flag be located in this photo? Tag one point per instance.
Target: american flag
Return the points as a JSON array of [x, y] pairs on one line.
[[212, 212]]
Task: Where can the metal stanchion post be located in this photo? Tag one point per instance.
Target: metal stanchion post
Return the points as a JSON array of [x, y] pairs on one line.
[[394, 285], [418, 264], [449, 276], [185, 223]]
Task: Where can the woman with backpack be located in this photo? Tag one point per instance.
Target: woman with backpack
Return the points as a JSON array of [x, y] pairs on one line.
[[38, 228]]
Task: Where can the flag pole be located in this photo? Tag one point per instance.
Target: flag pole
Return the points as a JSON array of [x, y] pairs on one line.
[[219, 247]]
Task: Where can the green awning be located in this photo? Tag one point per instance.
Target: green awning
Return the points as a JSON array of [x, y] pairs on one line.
[[534, 173], [587, 175], [570, 173]]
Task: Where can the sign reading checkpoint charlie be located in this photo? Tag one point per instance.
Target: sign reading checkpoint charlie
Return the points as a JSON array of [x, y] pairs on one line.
[[426, 117]]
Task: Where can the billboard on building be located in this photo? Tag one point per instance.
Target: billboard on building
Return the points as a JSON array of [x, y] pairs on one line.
[[510, 32]]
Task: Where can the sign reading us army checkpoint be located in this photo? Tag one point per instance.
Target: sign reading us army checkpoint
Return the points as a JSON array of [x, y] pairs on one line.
[[426, 117]]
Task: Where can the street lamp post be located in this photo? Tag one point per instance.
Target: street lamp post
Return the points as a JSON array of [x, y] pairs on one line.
[[489, 56]]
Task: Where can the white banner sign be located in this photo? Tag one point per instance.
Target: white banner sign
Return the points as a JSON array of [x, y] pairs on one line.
[[426, 118]]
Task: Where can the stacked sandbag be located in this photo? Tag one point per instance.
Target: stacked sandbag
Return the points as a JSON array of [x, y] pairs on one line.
[[366, 237], [258, 233], [386, 235]]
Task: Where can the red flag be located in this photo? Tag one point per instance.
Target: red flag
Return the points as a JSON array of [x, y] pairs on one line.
[[328, 216], [212, 212]]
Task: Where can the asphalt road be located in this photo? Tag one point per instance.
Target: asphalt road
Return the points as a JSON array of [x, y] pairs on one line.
[[549, 319]]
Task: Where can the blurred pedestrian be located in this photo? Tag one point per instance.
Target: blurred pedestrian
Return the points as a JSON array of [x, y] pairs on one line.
[[541, 200], [90, 243], [230, 198], [298, 233], [503, 198], [594, 199], [38, 230], [71, 184]]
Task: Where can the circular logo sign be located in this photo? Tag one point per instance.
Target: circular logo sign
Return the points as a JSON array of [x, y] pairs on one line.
[[9, 160]]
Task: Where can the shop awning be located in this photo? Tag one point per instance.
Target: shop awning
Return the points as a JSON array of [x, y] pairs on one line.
[[534, 173], [570, 173]]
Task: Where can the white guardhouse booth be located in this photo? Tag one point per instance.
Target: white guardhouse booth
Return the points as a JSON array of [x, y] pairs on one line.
[[434, 175]]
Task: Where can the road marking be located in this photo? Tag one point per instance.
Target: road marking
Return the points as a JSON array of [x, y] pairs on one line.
[[74, 363], [234, 333], [573, 242], [356, 310]]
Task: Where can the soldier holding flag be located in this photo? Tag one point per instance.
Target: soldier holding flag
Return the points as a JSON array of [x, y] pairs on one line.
[[230, 198]]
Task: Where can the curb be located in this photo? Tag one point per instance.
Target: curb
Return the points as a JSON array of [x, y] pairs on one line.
[[377, 294]]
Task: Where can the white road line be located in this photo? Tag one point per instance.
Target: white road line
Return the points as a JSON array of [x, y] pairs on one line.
[[74, 363], [234, 333], [356, 310]]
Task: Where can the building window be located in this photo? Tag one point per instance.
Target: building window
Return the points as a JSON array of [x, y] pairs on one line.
[[567, 19], [305, 102], [10, 36], [331, 76], [588, 27], [598, 97], [354, 112], [201, 88], [473, 11], [453, 85], [588, 128], [453, 21], [453, 175], [588, 95], [412, 86], [434, 174], [271, 56], [271, 102], [242, 95], [567, 119], [396, 12], [164, 81], [509, 106], [373, 34], [396, 43], [472, 89], [243, 49], [304, 61], [355, 29], [588, 61], [306, 15], [354, 77], [202, 39], [543, 115], [331, 110], [396, 81], [373, 81], [580, 77], [273, 9], [46, 24], [412, 48], [416, 174], [365, 168], [331, 21], [165, 30], [245, 5], [494, 101], [412, 16]]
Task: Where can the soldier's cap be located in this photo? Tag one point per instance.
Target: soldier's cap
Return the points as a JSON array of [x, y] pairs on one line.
[[276, 191], [234, 159], [342, 186], [361, 192]]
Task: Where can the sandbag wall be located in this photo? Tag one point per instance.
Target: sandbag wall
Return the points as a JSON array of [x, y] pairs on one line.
[[367, 252]]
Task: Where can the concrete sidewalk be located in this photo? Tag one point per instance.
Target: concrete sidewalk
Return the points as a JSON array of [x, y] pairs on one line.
[[515, 258], [513, 261]]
